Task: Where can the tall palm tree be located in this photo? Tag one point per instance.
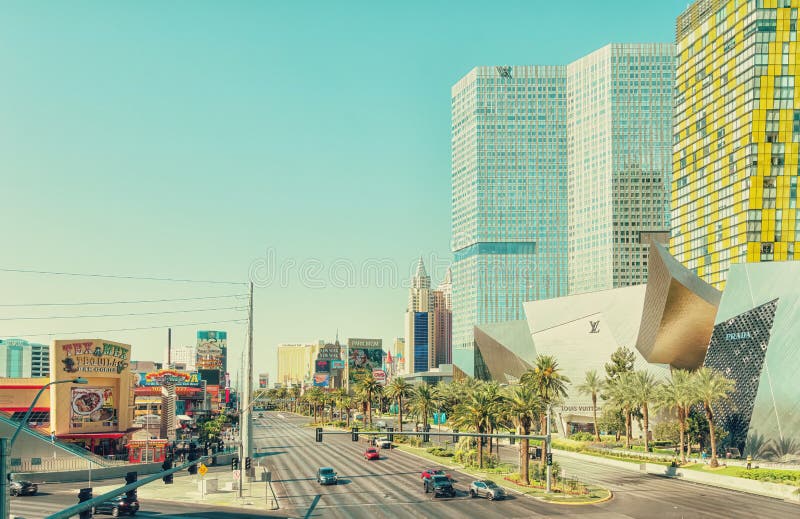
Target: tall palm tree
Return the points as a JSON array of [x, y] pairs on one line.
[[549, 384], [399, 390], [711, 387], [339, 397], [424, 400], [294, 394], [495, 396], [369, 388], [644, 390], [618, 390], [678, 394], [473, 414], [523, 406], [592, 385]]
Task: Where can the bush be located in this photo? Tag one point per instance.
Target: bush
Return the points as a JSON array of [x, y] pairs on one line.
[[438, 451], [582, 437]]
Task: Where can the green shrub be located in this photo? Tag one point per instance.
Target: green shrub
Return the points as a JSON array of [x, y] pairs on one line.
[[438, 451], [582, 437]]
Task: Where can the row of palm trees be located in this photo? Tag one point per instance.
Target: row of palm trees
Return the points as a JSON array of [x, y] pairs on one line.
[[640, 391]]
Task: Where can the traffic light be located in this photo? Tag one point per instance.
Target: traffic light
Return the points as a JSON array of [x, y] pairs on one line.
[[166, 466], [192, 457], [235, 463], [247, 463], [390, 436], [85, 494], [355, 434], [131, 477], [319, 434], [512, 439], [549, 458], [455, 435]]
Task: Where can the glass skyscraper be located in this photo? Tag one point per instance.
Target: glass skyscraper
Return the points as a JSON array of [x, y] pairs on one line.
[[509, 200], [619, 124]]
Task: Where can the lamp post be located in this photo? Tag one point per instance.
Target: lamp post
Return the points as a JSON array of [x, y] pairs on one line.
[[6, 446]]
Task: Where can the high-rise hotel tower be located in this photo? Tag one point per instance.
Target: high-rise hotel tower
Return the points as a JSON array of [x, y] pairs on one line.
[[737, 129]]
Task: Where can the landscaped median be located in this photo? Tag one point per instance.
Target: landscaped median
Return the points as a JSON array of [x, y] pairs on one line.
[[564, 490]]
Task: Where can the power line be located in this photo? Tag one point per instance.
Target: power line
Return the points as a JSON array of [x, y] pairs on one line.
[[117, 276], [201, 323], [85, 303], [36, 318]]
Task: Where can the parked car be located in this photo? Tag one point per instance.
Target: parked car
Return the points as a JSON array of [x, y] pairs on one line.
[[22, 488], [486, 488], [429, 473], [327, 476], [440, 486], [372, 454], [117, 506]]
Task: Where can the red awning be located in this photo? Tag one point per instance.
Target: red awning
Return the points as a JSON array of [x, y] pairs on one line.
[[89, 436], [23, 409]]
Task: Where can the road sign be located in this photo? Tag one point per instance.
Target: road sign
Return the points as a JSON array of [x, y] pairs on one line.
[[202, 469], [236, 475]]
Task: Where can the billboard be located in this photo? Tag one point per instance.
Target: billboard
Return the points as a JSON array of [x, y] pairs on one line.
[[211, 376], [322, 379], [168, 376], [337, 364], [212, 350], [366, 356], [330, 352], [322, 366], [92, 405], [263, 380], [380, 376]]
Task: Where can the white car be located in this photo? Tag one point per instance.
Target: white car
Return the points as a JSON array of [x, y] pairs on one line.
[[383, 443]]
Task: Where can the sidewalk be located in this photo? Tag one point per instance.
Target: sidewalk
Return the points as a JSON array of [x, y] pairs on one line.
[[188, 489]]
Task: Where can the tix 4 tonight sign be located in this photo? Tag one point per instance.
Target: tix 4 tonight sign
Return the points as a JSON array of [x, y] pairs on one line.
[[93, 357]]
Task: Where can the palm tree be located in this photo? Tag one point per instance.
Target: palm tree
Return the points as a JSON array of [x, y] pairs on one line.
[[339, 397], [618, 390], [644, 389], [294, 394], [711, 387], [398, 390], [473, 414], [495, 396], [424, 400], [549, 384], [369, 388], [592, 385], [523, 406], [678, 394]]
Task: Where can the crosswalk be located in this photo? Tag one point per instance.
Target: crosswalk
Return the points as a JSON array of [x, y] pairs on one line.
[[41, 506]]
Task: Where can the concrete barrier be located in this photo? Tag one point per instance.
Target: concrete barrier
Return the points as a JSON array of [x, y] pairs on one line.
[[751, 486]]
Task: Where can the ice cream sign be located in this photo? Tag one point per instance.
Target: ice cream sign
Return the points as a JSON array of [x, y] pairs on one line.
[[94, 357]]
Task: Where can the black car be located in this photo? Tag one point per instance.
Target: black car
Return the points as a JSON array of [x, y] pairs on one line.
[[440, 486], [22, 488], [327, 476], [117, 506]]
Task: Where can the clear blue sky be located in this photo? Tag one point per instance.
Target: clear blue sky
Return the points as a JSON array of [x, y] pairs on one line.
[[188, 139]]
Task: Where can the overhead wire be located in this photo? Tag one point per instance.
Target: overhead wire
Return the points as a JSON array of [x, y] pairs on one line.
[[119, 276], [201, 323], [131, 314], [86, 303]]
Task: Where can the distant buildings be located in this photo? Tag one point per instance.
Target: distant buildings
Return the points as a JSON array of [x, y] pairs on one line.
[[185, 355], [295, 363], [22, 359], [737, 125], [428, 323], [443, 322]]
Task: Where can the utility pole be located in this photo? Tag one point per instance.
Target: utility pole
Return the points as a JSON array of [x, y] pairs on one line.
[[245, 418], [5, 497], [547, 451]]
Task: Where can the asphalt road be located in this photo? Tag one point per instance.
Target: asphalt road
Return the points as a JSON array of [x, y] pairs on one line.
[[391, 487]]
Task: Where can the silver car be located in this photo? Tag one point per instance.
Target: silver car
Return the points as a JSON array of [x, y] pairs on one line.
[[486, 488]]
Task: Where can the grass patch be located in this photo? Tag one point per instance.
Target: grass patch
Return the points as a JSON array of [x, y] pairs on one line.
[[782, 477]]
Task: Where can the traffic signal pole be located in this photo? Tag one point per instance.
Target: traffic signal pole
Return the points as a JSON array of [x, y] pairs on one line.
[[548, 453]]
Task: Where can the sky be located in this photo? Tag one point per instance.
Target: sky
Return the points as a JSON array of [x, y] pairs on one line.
[[304, 145]]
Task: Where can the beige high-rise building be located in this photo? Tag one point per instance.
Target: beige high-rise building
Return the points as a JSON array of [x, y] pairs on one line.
[[295, 363], [443, 322]]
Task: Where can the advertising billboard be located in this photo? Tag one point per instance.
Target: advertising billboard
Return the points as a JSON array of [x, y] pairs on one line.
[[92, 405], [263, 380], [330, 352], [361, 361], [322, 379], [322, 366], [168, 376], [337, 364], [212, 350], [380, 376]]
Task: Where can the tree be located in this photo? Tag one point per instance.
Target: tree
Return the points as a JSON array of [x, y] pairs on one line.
[[644, 388], [473, 414], [494, 395], [399, 390], [621, 362], [339, 397], [592, 385], [523, 407], [424, 400], [619, 392], [711, 387], [678, 394], [369, 388], [548, 383]]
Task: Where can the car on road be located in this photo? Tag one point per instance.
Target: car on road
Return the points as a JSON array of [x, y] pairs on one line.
[[22, 488], [486, 488], [372, 454], [380, 424], [440, 486], [429, 473], [117, 506], [327, 476]]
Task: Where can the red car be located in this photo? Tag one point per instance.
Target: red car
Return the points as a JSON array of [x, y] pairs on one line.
[[372, 454], [429, 473]]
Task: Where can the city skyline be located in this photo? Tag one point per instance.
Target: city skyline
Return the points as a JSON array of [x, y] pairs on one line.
[[117, 142]]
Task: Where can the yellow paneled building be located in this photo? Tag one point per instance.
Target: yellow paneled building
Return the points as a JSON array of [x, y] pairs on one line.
[[736, 137]]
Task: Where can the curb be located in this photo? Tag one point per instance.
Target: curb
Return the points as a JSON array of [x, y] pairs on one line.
[[460, 469]]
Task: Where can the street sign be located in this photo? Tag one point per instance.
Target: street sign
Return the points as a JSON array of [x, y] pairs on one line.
[[202, 469], [236, 475]]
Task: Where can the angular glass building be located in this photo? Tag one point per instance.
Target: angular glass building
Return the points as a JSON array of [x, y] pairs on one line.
[[509, 200]]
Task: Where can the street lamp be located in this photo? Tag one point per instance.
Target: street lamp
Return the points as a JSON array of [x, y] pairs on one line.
[[6, 445]]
